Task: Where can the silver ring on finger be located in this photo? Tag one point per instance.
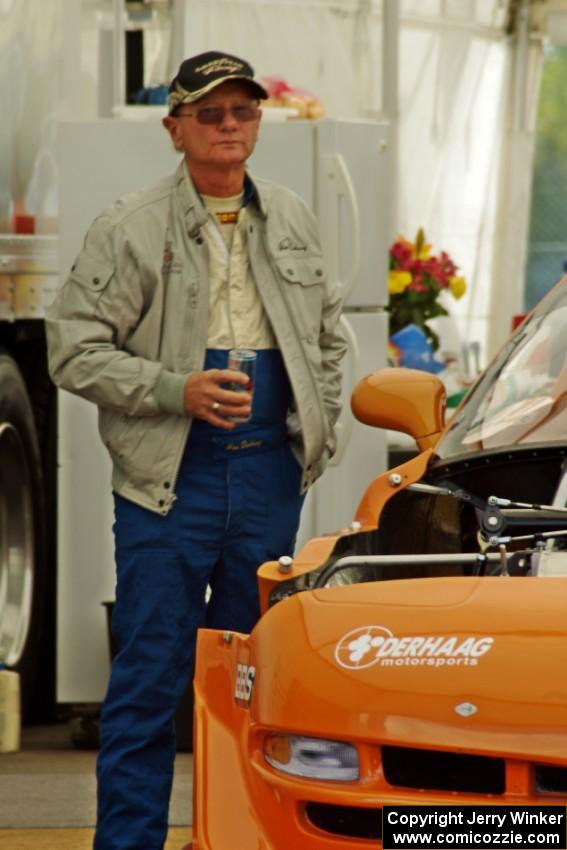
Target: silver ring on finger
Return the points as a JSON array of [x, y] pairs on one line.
[[216, 406]]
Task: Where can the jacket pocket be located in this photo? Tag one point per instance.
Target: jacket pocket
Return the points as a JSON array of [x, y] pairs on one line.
[[305, 271], [115, 428], [81, 295], [90, 273], [303, 281]]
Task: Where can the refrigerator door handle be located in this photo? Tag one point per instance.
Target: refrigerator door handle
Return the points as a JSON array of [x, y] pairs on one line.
[[335, 183], [344, 425]]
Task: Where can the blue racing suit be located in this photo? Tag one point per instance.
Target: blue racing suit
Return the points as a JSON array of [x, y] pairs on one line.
[[238, 504]]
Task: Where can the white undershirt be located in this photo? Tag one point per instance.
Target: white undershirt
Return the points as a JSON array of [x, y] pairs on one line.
[[237, 318]]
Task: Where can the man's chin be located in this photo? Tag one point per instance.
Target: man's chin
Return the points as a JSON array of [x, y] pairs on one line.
[[231, 156]]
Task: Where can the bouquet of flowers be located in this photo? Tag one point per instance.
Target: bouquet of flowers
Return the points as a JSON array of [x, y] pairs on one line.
[[415, 282]]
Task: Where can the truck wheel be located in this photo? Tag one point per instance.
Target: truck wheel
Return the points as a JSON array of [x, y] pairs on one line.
[[22, 572]]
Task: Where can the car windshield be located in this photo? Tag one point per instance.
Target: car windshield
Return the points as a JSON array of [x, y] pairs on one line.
[[521, 399]]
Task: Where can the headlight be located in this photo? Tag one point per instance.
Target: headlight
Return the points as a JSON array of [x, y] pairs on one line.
[[313, 758]]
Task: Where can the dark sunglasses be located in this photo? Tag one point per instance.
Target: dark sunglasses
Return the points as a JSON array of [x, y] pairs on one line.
[[215, 114]]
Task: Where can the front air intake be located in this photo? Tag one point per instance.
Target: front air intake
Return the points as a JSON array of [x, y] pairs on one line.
[[346, 821], [550, 779], [440, 771]]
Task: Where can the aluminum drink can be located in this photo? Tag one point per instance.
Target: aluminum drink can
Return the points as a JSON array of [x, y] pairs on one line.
[[242, 360]]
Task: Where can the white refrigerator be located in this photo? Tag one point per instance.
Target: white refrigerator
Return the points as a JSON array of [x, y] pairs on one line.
[[342, 170]]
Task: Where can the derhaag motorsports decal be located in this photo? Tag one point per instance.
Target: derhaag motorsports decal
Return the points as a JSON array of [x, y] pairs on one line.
[[369, 645]]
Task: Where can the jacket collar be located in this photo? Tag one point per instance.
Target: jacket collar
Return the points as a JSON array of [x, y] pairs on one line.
[[191, 203], [261, 194]]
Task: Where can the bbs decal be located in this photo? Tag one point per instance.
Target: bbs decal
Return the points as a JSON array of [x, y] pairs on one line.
[[245, 675]]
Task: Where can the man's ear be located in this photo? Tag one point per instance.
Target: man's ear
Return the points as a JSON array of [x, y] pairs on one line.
[[172, 127]]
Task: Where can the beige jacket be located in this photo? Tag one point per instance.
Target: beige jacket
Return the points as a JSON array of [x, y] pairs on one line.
[[130, 324]]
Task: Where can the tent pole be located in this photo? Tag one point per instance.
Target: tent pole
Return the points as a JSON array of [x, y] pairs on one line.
[[390, 99]]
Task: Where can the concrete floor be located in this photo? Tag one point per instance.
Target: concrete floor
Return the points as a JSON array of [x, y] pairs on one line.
[[74, 839], [48, 793]]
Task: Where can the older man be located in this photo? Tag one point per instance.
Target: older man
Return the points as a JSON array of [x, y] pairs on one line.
[[168, 280]]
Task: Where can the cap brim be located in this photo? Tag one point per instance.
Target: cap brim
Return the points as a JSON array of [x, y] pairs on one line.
[[180, 95]]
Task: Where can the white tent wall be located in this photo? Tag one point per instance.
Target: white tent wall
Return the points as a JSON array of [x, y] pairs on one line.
[[514, 190], [38, 87], [452, 110], [330, 48], [476, 80]]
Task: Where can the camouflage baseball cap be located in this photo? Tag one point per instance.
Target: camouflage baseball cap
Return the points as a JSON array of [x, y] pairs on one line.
[[199, 75]]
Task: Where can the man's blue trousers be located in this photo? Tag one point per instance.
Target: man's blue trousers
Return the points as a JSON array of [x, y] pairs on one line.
[[238, 505]]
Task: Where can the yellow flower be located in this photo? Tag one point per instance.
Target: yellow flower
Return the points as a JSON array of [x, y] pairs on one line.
[[458, 286], [398, 281], [422, 249]]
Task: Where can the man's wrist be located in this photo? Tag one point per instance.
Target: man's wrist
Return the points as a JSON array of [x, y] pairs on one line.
[[170, 391]]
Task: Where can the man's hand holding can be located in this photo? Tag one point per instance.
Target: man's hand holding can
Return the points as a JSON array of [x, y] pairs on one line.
[[217, 395]]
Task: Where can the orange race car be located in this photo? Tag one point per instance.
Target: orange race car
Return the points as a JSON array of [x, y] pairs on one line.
[[420, 656]]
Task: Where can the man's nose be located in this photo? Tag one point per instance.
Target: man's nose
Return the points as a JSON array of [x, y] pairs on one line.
[[228, 122]]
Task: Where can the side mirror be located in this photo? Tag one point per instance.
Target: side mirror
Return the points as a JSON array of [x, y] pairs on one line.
[[407, 400]]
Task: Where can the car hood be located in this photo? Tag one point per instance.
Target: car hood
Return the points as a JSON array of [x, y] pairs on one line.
[[473, 663]]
